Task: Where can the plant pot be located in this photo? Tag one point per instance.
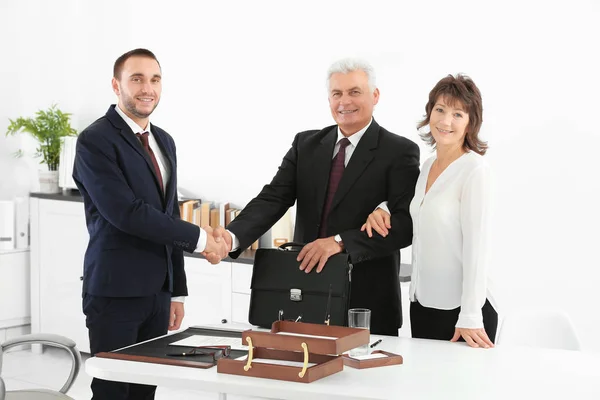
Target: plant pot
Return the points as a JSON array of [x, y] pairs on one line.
[[49, 182]]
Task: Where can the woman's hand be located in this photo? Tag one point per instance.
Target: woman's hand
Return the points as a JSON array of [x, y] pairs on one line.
[[473, 337], [379, 220]]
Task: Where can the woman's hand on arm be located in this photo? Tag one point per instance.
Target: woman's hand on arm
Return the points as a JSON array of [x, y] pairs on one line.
[[380, 221]]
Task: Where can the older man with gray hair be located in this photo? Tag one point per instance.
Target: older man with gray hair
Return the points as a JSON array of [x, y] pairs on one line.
[[338, 175]]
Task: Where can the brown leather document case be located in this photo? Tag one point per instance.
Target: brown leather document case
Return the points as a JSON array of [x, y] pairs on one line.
[[297, 342]]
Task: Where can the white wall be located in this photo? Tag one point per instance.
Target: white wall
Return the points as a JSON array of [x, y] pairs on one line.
[[241, 78]]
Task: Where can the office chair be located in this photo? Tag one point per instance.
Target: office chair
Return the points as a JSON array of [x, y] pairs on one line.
[[538, 328], [42, 394]]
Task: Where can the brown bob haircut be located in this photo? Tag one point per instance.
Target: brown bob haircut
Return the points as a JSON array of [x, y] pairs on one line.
[[118, 67], [461, 89]]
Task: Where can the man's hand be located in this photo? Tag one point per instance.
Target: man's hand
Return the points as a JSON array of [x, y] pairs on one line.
[[473, 337], [176, 315], [214, 251], [319, 252], [220, 233], [379, 220]]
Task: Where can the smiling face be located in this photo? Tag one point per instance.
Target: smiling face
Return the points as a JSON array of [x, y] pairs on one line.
[[448, 122], [351, 101], [138, 88]]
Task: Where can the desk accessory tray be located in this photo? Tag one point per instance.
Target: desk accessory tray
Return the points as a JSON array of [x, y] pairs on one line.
[[298, 342], [391, 359], [155, 351]]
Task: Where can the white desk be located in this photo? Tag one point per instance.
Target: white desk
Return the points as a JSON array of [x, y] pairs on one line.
[[431, 370]]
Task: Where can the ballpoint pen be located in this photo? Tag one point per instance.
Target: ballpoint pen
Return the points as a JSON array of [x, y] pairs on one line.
[[376, 343], [191, 354]]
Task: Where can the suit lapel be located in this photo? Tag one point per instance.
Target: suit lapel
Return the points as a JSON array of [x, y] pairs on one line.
[[361, 157], [322, 166], [129, 136]]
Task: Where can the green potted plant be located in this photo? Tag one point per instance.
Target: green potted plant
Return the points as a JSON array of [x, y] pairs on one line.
[[48, 128]]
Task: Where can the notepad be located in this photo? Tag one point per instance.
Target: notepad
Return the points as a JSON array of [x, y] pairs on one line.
[[201, 340]]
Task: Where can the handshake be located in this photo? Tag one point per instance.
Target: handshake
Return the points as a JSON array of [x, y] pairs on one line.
[[218, 244]]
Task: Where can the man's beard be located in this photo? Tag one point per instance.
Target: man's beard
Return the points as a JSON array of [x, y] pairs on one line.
[[129, 104]]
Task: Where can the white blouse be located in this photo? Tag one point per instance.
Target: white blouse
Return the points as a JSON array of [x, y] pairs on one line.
[[450, 239]]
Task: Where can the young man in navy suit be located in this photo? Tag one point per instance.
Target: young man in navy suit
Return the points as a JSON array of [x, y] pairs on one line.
[[134, 282]]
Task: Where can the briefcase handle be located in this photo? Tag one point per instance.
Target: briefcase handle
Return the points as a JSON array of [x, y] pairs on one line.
[[291, 244]]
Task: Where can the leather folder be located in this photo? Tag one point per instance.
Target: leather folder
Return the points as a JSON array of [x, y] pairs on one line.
[[281, 291], [159, 350]]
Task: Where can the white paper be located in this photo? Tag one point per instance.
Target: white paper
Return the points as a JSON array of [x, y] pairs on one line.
[[201, 340], [298, 364], [309, 336], [370, 356]]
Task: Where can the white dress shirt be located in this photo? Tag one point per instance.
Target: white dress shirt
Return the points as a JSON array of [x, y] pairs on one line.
[[451, 239], [354, 139], [163, 166], [450, 246]]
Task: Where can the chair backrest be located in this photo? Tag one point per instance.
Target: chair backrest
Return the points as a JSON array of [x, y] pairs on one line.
[[48, 340], [538, 328]]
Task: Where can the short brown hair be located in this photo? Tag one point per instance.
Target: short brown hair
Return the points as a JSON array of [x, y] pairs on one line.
[[462, 89], [132, 53]]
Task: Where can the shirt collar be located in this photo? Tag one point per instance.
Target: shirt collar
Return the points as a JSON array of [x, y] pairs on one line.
[[131, 123], [355, 138]]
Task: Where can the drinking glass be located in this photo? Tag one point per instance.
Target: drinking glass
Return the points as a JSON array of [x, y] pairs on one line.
[[359, 318]]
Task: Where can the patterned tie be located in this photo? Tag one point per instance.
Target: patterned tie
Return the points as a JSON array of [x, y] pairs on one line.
[[144, 138], [335, 176]]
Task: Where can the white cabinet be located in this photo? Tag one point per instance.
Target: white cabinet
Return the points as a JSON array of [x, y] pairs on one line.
[[58, 242], [209, 292], [14, 288], [241, 276]]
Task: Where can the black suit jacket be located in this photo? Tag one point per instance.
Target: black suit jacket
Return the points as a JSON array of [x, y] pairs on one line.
[[383, 167], [136, 235]]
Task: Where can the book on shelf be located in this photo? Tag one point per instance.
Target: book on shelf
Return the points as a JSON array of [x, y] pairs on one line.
[[214, 218], [187, 209], [223, 210], [230, 215], [205, 213]]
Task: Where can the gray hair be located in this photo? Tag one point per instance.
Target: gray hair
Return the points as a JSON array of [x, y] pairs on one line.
[[348, 65]]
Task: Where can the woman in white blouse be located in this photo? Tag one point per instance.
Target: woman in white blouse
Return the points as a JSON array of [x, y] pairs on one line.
[[449, 292]]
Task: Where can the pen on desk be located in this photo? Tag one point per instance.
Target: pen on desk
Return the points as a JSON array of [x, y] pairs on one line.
[[328, 311], [185, 354], [376, 343]]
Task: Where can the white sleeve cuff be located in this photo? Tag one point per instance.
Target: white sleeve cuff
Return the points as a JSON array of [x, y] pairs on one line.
[[235, 243], [201, 242], [384, 207], [469, 321], [179, 299]]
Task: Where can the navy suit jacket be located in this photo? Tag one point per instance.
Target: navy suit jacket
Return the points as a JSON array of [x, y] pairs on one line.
[[137, 238]]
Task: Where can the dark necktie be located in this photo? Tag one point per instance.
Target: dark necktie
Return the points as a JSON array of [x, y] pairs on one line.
[[144, 139], [335, 176]]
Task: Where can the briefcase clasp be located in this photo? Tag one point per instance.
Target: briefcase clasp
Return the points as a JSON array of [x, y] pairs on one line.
[[295, 295]]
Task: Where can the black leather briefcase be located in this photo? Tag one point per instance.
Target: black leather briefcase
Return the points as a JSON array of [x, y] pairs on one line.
[[281, 291]]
